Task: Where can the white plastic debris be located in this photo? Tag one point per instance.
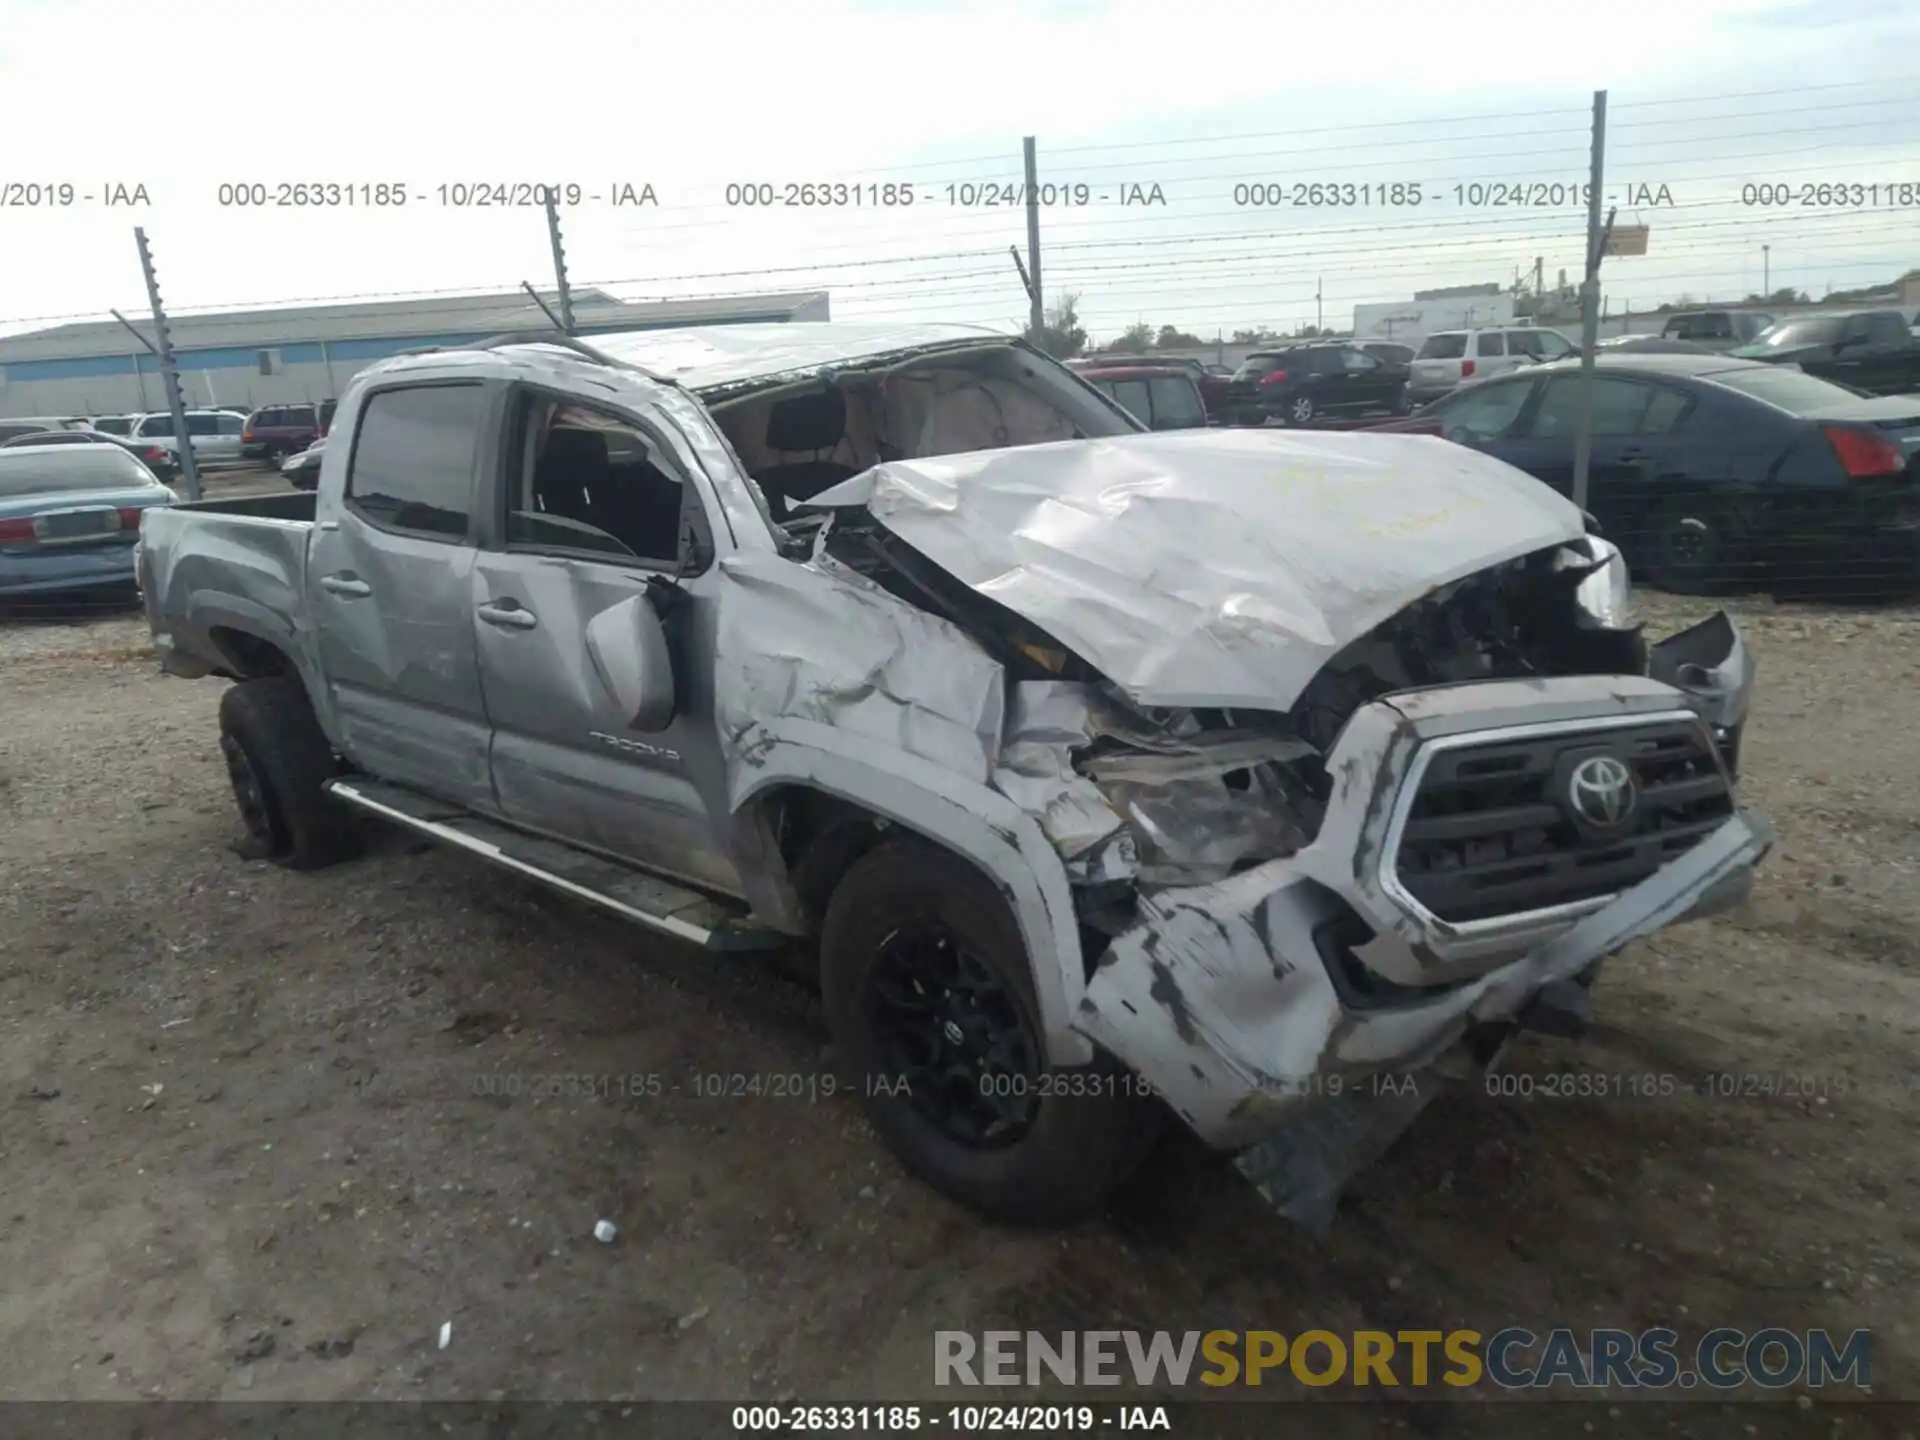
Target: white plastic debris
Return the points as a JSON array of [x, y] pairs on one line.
[[446, 1334], [604, 1232]]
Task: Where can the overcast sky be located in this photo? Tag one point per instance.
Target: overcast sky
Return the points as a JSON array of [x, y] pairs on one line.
[[1706, 97]]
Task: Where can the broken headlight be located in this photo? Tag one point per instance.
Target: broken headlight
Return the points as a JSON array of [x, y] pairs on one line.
[[1605, 597], [1206, 813]]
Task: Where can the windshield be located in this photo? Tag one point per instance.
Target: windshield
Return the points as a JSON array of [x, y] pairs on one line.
[[1794, 391], [1791, 334], [68, 468]]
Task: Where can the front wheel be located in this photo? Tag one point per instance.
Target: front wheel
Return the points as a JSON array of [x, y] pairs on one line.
[[1402, 402], [931, 1005], [1300, 410]]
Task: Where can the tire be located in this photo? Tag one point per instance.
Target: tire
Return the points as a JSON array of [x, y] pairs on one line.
[[1070, 1150], [277, 760], [1300, 410], [1689, 546], [1402, 401]]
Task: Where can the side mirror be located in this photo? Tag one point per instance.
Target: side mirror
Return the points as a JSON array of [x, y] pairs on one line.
[[628, 647]]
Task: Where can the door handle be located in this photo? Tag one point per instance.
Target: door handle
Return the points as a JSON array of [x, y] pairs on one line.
[[508, 613], [344, 585]]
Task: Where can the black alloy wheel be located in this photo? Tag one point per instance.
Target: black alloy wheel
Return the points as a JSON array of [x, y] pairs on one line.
[[943, 1021]]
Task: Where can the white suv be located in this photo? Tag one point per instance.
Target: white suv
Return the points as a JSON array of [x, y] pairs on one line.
[[215, 433], [1450, 356]]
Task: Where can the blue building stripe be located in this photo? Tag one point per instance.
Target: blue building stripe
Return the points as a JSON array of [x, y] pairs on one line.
[[306, 352]]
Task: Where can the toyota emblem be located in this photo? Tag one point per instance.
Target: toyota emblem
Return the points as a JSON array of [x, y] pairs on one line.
[[1602, 792]]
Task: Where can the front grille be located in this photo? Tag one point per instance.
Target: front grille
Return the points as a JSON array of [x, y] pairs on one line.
[[1493, 831]]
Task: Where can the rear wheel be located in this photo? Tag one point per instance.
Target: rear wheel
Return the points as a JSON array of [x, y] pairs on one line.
[[1300, 410], [931, 1005], [278, 760], [1689, 546]]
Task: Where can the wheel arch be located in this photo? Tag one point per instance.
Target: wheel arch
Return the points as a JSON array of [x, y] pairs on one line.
[[846, 785], [251, 641]]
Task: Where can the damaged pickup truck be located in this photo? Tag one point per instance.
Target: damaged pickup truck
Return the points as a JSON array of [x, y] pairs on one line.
[[1098, 776]]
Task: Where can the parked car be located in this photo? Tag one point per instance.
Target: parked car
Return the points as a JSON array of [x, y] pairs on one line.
[[274, 432], [1099, 781], [1708, 470], [1299, 384], [1447, 358], [1649, 345], [38, 425], [1871, 350], [158, 460], [1210, 380], [1716, 330], [69, 516], [1161, 397], [215, 434], [115, 424], [302, 471]]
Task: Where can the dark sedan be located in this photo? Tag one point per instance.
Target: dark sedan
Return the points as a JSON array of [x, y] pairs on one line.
[[1707, 470], [157, 459], [69, 517]]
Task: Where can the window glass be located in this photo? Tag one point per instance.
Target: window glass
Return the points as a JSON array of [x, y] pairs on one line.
[[1358, 361], [157, 425], [1175, 402], [113, 425], [1794, 391], [413, 457], [68, 469], [1133, 397], [1665, 410], [1448, 346], [1485, 412], [1490, 342], [596, 483], [201, 423], [1324, 362], [1254, 366], [1618, 406], [231, 424], [1791, 334]]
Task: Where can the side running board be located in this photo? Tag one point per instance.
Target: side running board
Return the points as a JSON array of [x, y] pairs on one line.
[[633, 894]]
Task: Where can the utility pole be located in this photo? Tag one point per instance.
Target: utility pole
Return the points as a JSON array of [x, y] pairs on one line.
[[1766, 271], [1590, 302], [1319, 312], [1037, 313], [559, 264], [162, 347]]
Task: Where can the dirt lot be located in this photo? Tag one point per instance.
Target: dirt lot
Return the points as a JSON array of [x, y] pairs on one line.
[[248, 1149]]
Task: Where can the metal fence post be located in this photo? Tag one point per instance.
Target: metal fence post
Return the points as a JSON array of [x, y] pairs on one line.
[[1590, 304], [169, 372]]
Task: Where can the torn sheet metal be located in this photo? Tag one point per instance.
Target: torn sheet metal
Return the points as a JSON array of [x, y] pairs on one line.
[[711, 359], [1217, 568], [826, 646], [1047, 721]]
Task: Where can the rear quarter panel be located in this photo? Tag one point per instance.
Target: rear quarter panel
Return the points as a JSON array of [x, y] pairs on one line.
[[208, 577]]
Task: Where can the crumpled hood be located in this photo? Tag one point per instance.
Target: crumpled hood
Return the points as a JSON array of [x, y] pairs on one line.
[[1213, 568]]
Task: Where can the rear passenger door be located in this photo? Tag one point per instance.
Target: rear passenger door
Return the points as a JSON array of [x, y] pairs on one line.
[[599, 508], [390, 585]]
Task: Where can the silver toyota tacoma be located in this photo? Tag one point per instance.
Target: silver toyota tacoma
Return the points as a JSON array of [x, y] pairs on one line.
[[1270, 781]]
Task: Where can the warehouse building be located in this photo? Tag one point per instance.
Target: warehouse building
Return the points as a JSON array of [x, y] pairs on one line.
[[245, 359]]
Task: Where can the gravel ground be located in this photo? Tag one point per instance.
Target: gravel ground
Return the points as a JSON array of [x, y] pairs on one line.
[[252, 1140]]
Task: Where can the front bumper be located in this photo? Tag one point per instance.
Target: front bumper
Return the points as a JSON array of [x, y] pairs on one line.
[[1237, 1001]]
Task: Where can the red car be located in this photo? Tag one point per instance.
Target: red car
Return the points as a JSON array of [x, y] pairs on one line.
[[1161, 397], [1210, 380]]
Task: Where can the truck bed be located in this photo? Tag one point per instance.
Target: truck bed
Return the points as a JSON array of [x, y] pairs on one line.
[[238, 563]]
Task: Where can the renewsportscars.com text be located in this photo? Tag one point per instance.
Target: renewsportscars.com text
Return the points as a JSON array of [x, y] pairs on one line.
[[1514, 1358]]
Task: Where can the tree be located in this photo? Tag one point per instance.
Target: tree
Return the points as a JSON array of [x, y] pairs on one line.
[[1062, 336], [1258, 336], [1130, 341], [1171, 338]]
